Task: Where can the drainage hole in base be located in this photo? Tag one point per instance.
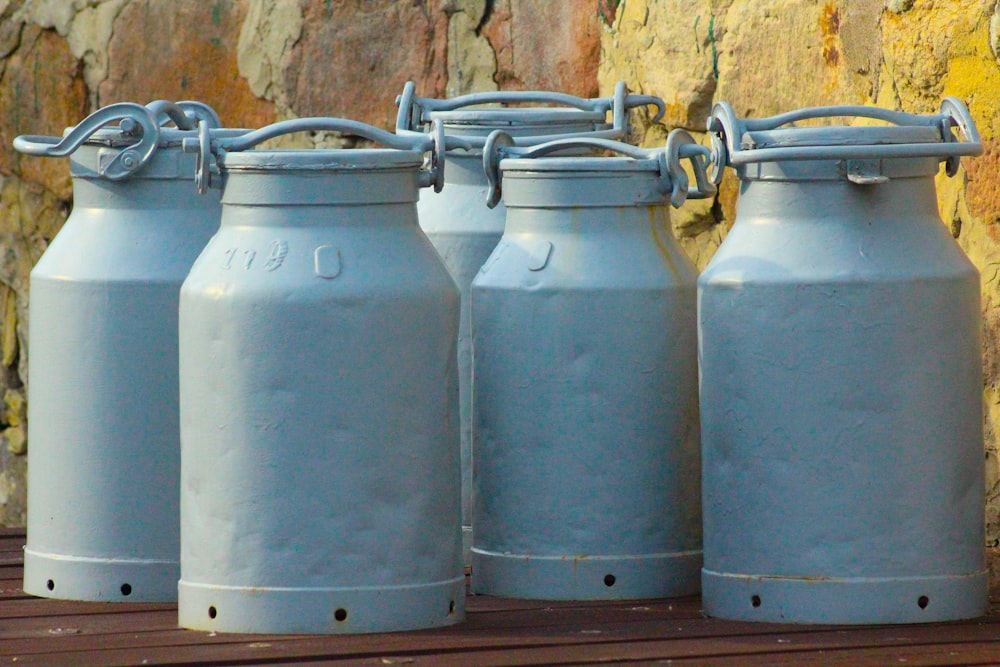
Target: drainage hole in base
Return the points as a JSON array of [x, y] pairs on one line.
[[923, 601], [755, 601], [212, 612], [51, 585], [340, 614], [609, 580], [126, 589]]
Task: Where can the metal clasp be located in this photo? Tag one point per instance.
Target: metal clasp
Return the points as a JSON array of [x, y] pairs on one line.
[[135, 121], [865, 172]]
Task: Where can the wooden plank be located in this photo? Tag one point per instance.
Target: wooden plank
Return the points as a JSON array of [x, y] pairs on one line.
[[497, 632], [32, 607], [458, 645]]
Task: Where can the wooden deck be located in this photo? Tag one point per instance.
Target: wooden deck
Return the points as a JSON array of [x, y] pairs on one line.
[[496, 632]]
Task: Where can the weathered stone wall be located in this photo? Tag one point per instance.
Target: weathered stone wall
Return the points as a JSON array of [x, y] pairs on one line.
[[257, 61], [254, 61]]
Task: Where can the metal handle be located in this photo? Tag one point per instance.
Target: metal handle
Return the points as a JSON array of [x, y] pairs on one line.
[[135, 121], [729, 131], [207, 145], [415, 111], [680, 145]]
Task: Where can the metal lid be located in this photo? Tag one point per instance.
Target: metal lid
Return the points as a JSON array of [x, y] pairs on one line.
[[137, 137], [839, 135], [912, 145], [475, 115], [644, 175], [423, 155], [512, 118], [312, 159], [169, 137], [572, 165]]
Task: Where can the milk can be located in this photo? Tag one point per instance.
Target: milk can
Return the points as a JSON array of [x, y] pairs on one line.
[[319, 400], [460, 227], [103, 462], [839, 349], [585, 437]]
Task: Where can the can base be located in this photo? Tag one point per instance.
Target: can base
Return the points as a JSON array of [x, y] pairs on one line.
[[845, 601], [93, 579], [585, 577], [325, 611]]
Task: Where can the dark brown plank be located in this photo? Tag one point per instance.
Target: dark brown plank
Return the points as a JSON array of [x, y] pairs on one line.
[[460, 645], [497, 632]]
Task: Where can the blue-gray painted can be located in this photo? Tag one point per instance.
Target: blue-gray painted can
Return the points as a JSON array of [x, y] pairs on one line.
[[461, 228], [320, 478], [839, 350], [104, 453], [585, 442]]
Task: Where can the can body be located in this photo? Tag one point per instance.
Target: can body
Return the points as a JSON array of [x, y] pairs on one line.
[[586, 425], [839, 348], [465, 231], [104, 457], [320, 465]]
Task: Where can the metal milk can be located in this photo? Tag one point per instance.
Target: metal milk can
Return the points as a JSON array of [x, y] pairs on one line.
[[586, 442], [104, 452], [839, 349], [320, 482], [455, 220]]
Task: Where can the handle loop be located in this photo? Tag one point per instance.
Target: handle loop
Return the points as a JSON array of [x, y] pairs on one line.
[[207, 145], [200, 111], [680, 146], [415, 112], [734, 147], [184, 115], [135, 121]]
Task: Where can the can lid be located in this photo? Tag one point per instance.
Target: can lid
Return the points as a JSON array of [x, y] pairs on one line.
[[659, 169], [839, 135], [555, 115], [766, 143], [312, 159], [169, 137], [138, 135], [513, 118], [572, 165]]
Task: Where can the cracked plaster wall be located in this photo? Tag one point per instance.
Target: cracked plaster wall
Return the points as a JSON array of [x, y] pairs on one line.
[[257, 61]]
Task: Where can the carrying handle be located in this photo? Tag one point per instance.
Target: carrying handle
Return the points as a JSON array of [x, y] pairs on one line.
[[415, 112], [185, 115], [731, 145], [673, 178], [135, 120], [207, 145]]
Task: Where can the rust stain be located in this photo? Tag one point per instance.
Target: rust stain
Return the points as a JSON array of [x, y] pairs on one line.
[[983, 190], [829, 27], [658, 225]]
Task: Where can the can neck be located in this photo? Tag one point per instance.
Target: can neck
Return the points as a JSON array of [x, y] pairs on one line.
[[299, 187], [855, 171], [588, 220], [581, 189], [465, 168], [167, 163], [141, 194], [838, 201]]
